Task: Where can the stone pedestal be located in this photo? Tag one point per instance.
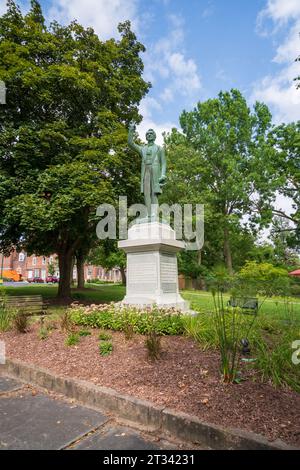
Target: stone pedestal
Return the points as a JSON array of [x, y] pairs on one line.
[[152, 274]]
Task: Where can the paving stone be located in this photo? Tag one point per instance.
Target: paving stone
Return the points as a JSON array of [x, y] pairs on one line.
[[41, 422], [115, 438], [9, 385]]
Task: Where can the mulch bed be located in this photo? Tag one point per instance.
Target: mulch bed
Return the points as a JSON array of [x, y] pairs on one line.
[[185, 378]]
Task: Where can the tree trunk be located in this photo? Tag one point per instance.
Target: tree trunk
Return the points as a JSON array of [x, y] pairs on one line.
[[65, 263], [123, 275], [80, 271], [71, 271], [227, 251]]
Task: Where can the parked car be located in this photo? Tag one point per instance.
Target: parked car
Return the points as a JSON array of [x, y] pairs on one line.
[[39, 280], [51, 279]]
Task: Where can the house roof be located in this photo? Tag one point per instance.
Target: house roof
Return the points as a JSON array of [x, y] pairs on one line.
[[295, 273]]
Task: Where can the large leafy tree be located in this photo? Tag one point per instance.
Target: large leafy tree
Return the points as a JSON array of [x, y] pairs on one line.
[[109, 256], [62, 135], [280, 235], [286, 140], [223, 156]]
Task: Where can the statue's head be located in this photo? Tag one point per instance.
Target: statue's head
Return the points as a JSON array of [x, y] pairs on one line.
[[150, 135]]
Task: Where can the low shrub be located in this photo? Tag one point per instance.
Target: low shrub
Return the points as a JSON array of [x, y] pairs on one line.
[[270, 342], [84, 333], [272, 348], [105, 348], [66, 323], [6, 318], [20, 320], [295, 289], [72, 339], [128, 331], [98, 281], [153, 345], [201, 329], [117, 317], [104, 336], [43, 333], [6, 315]]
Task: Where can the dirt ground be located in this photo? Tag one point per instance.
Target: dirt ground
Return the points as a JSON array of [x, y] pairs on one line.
[[184, 378]]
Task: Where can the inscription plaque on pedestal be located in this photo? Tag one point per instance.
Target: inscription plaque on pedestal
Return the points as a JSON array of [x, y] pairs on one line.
[[168, 272], [152, 274], [141, 273]]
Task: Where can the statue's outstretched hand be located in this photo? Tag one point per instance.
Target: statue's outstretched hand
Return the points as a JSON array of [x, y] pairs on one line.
[[162, 180]]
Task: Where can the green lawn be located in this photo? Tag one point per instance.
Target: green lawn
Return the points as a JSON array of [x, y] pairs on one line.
[[97, 293], [100, 293], [200, 301], [203, 302]]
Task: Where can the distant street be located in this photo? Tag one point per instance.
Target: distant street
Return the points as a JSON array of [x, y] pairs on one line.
[[16, 284]]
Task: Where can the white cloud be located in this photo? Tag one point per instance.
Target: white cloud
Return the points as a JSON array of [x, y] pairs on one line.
[[148, 123], [281, 94], [280, 10], [279, 90], [208, 11], [147, 107], [185, 71], [176, 20], [221, 75], [102, 15], [2, 6], [167, 95], [167, 60], [289, 49], [166, 63]]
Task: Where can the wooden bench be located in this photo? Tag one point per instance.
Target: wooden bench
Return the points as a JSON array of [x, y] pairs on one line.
[[248, 305], [29, 304]]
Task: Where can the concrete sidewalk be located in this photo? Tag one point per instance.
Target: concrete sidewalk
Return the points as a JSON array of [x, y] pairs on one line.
[[30, 419]]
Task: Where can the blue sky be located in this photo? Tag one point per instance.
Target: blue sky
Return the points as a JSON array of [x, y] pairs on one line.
[[195, 48]]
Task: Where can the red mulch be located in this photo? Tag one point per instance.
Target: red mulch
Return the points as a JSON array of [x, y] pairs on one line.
[[185, 378]]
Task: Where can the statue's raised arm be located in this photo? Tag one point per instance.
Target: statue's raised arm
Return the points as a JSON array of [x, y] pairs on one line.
[[131, 143]]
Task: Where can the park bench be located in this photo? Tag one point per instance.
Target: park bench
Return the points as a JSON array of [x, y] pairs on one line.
[[29, 304], [248, 305]]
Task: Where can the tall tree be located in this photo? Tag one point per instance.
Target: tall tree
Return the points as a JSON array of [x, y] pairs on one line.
[[227, 161], [62, 136], [109, 256], [286, 164], [284, 255]]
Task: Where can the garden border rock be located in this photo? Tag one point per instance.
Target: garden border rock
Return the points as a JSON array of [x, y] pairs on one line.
[[169, 423]]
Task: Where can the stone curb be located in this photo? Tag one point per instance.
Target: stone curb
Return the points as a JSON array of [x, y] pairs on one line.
[[169, 423]]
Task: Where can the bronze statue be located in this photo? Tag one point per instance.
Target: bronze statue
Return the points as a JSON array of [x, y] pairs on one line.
[[153, 173]]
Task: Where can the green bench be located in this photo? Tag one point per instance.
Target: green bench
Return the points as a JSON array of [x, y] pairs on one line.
[[29, 304], [247, 305]]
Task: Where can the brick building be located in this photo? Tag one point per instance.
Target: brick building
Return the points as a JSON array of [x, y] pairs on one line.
[[38, 266]]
